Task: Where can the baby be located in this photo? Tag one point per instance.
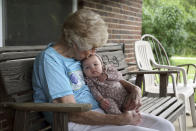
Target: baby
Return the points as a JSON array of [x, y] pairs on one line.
[[104, 83]]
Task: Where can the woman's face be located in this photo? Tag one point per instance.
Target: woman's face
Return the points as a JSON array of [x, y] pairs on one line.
[[80, 55]]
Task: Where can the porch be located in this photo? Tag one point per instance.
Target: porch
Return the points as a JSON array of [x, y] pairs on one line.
[[126, 17]]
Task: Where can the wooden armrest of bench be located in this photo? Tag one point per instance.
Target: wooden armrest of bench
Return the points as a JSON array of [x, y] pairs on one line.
[[60, 113], [52, 107], [152, 72], [163, 79], [131, 63]]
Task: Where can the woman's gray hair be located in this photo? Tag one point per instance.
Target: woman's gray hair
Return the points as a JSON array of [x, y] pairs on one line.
[[86, 29]]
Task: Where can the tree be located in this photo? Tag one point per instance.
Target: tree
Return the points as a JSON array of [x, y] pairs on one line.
[[172, 22]]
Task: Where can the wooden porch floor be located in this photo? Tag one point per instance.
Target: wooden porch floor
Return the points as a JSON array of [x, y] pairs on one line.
[[189, 124]]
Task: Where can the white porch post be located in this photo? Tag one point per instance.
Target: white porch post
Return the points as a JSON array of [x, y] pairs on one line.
[[1, 23], [74, 6]]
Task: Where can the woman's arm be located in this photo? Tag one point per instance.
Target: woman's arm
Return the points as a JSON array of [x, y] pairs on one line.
[[96, 118], [130, 87], [134, 101]]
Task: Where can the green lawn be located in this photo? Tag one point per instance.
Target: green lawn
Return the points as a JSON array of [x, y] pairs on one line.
[[185, 60]]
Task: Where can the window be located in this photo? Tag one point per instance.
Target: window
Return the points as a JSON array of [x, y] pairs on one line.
[[33, 22]]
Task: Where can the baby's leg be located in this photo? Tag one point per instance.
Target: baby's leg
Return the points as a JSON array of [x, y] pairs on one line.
[[114, 109]]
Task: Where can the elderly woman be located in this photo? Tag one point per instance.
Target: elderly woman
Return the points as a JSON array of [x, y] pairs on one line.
[[57, 78]]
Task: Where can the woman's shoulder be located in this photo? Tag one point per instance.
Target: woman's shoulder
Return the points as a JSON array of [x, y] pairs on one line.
[[51, 53]]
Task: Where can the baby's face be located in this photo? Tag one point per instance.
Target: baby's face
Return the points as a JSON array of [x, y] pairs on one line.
[[92, 66]]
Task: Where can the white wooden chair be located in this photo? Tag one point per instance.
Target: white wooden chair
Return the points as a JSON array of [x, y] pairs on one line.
[[161, 57], [146, 61]]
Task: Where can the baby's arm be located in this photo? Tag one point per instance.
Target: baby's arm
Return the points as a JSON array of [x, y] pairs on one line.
[[98, 96], [113, 74], [104, 103]]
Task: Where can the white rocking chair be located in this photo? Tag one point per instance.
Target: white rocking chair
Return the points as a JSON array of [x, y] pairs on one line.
[[161, 58], [146, 61]]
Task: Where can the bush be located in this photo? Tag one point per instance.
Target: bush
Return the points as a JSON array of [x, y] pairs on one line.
[[174, 19], [167, 24], [190, 27]]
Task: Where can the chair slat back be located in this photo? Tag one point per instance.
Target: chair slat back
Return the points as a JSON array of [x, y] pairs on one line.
[[144, 55], [144, 59], [159, 52], [16, 74]]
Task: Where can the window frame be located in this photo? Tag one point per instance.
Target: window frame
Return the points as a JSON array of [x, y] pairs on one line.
[[1, 23]]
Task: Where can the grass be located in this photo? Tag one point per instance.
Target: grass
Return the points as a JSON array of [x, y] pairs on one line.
[[185, 60]]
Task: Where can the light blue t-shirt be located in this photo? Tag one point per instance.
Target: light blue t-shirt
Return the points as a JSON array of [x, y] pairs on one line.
[[55, 76]]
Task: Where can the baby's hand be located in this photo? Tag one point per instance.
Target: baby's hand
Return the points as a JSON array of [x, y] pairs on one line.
[[105, 104], [102, 77]]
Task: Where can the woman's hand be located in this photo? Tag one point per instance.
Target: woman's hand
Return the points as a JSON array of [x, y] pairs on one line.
[[132, 102], [130, 118]]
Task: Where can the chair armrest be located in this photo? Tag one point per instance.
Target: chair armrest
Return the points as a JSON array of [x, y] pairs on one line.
[[187, 70], [51, 107], [181, 69], [194, 65]]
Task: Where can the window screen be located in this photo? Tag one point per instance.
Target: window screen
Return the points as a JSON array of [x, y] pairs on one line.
[[34, 22]]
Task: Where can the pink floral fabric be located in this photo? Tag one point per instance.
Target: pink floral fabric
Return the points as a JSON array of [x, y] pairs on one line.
[[111, 89]]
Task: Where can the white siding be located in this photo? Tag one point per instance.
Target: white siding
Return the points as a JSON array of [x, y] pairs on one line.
[[1, 24], [74, 6]]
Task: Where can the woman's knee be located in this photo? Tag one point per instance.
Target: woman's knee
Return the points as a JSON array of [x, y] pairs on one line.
[[164, 125], [157, 123]]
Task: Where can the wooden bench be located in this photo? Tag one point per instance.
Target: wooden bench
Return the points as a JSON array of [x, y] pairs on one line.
[[23, 115]]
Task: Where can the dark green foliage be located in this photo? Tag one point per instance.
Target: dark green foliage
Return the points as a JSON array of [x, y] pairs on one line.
[[172, 24], [191, 29]]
